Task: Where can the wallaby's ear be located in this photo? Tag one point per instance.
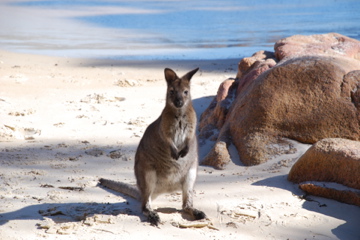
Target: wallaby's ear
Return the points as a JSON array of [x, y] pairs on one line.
[[170, 75], [189, 75]]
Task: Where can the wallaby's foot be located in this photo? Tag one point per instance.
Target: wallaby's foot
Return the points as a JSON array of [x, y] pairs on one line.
[[153, 218], [197, 214]]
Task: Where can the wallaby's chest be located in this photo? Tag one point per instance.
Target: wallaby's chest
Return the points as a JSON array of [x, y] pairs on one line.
[[180, 131]]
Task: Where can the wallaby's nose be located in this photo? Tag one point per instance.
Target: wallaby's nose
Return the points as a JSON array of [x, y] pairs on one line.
[[178, 103]]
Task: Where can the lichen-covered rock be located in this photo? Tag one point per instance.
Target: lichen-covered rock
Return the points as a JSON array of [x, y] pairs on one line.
[[304, 98], [330, 169], [249, 63], [214, 116], [218, 157], [331, 44], [301, 99], [321, 189], [329, 160]]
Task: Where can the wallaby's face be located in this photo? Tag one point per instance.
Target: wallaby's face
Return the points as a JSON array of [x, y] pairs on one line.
[[178, 90], [178, 93]]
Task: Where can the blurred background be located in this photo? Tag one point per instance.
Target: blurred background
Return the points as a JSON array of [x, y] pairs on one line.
[[167, 29]]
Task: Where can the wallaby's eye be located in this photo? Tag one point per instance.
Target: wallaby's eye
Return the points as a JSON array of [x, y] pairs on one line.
[[186, 92], [172, 92]]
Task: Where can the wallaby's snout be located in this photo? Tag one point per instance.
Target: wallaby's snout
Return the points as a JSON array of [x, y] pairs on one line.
[[178, 97], [178, 102]]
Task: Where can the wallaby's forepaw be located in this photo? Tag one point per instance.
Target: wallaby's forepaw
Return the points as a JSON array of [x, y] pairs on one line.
[[174, 153], [184, 151], [154, 218]]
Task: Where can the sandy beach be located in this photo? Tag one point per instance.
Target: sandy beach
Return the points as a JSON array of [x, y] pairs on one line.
[[67, 122]]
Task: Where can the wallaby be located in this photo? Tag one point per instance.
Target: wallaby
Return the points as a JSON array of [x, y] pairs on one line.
[[166, 159]]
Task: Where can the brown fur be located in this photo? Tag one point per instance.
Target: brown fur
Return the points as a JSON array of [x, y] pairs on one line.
[[166, 159]]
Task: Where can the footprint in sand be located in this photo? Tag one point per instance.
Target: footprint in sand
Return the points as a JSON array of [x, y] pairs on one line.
[[22, 113], [18, 78], [23, 133], [127, 83], [100, 98]]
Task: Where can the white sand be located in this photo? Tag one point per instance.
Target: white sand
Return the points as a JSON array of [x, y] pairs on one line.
[[61, 118]]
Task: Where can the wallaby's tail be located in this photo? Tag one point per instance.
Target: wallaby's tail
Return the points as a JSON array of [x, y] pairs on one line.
[[121, 187]]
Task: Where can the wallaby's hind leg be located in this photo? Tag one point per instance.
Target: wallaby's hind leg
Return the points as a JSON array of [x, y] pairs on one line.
[[147, 188], [151, 215], [187, 193], [188, 206]]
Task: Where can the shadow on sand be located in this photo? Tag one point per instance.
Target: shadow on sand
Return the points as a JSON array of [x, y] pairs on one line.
[[81, 211], [73, 212], [348, 213]]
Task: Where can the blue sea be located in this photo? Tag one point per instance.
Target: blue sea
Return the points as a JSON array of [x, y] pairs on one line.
[[167, 29]]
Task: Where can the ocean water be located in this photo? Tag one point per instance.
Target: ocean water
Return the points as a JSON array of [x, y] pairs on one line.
[[168, 29]]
